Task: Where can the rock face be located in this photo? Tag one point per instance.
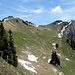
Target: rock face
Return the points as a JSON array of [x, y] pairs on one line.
[[70, 30], [67, 29]]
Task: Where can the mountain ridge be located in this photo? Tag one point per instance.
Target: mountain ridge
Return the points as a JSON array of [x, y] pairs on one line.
[[37, 42]]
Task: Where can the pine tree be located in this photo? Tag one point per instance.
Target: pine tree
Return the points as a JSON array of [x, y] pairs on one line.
[[1, 30], [3, 42], [12, 52], [7, 49]]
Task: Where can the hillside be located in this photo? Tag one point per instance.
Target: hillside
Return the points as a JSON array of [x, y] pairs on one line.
[[4, 68], [34, 47]]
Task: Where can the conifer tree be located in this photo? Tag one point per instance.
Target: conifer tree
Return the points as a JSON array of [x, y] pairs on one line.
[[3, 42], [7, 49], [1, 30], [12, 52]]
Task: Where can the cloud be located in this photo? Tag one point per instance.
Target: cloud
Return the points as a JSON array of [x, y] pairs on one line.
[[20, 9], [68, 14], [57, 9], [37, 11], [24, 16], [28, 10]]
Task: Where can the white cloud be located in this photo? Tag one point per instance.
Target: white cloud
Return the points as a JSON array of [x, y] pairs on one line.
[[68, 14], [23, 9], [24, 16], [37, 11], [57, 9]]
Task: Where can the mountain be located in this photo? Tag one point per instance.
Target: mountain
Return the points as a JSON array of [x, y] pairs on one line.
[[70, 29], [35, 44]]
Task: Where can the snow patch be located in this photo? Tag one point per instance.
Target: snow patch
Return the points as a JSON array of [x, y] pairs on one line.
[[59, 35], [49, 61], [58, 54], [54, 45], [36, 25], [5, 20], [26, 65], [32, 58], [59, 23], [61, 73], [69, 23], [44, 57], [67, 59], [64, 28], [54, 70]]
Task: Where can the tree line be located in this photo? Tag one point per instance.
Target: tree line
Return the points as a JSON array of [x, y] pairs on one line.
[[7, 48]]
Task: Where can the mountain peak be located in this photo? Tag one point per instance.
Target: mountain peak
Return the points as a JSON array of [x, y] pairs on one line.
[[57, 21]]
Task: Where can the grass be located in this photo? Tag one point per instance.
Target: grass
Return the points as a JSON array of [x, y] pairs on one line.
[[6, 69], [68, 66], [38, 41]]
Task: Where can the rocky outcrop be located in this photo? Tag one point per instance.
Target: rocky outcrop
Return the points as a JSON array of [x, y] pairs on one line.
[[69, 30]]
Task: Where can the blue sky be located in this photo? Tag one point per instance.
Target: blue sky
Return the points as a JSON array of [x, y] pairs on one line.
[[39, 12]]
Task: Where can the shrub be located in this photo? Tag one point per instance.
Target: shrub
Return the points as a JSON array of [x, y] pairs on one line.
[[54, 59]]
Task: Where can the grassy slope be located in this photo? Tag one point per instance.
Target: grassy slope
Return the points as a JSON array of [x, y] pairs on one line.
[[6, 69], [38, 42]]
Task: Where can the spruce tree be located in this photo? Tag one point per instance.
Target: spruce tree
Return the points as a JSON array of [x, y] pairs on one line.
[[1, 30], [3, 42], [12, 52], [7, 49]]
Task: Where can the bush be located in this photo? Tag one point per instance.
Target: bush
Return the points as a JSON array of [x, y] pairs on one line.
[[54, 59], [57, 45]]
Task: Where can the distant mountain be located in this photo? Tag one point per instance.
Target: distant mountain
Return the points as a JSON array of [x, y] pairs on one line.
[[70, 30], [66, 29]]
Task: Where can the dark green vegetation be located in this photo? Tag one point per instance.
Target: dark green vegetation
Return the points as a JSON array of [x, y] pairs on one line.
[[54, 59], [7, 49], [71, 42], [29, 39]]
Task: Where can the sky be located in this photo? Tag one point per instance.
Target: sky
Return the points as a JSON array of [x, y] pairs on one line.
[[39, 12]]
